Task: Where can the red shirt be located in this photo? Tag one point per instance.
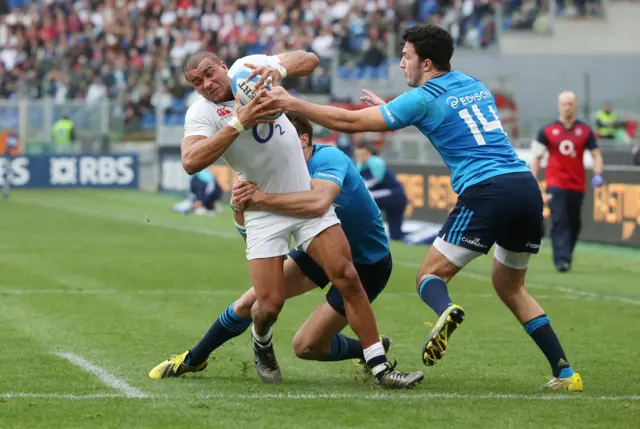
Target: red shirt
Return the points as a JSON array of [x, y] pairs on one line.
[[565, 168]]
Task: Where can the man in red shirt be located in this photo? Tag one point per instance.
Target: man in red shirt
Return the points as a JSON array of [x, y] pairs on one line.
[[566, 140]]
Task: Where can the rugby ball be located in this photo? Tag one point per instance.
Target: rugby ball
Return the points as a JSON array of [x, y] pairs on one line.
[[240, 84]]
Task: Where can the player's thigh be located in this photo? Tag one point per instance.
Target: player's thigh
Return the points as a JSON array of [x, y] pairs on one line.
[[508, 271], [267, 275], [374, 278], [268, 234], [520, 234], [327, 244], [296, 281], [314, 236], [468, 232], [316, 332]]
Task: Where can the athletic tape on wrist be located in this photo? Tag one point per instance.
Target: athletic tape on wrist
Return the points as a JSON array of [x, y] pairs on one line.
[[235, 123], [282, 70]]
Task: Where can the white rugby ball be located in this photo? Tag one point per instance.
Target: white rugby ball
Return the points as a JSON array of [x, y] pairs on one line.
[[240, 84]]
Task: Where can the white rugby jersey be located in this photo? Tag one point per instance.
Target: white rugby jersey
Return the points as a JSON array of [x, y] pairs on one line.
[[272, 158]]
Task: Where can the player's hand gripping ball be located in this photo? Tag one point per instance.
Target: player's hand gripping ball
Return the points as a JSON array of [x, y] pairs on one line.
[[246, 89]]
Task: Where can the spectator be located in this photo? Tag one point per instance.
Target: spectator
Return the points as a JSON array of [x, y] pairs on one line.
[[606, 122], [385, 189]]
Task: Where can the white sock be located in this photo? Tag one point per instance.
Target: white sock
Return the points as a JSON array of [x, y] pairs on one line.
[[375, 351], [264, 340]]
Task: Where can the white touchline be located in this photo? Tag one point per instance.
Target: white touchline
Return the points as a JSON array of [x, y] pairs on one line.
[[234, 292], [332, 396], [104, 376], [18, 395]]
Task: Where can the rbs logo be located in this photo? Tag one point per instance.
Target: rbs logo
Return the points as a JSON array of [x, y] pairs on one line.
[[46, 171], [92, 171], [15, 170]]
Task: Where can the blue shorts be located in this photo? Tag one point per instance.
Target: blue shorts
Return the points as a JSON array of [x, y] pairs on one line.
[[374, 277], [505, 209]]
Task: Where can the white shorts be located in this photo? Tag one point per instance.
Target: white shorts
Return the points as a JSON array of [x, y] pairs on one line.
[[269, 234]]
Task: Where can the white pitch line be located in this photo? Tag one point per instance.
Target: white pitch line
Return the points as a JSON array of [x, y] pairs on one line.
[[19, 395], [104, 376], [233, 292], [335, 396]]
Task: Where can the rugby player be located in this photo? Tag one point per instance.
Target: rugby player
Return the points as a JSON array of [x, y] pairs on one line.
[[274, 161], [336, 181], [499, 199]]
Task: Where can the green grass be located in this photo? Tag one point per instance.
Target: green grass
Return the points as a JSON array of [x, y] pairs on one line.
[[85, 272]]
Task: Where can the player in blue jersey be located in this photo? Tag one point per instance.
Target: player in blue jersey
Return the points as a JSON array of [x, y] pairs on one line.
[[335, 180], [499, 201]]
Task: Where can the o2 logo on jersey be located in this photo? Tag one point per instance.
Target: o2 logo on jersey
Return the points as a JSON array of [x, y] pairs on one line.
[[567, 148], [487, 126], [263, 140]]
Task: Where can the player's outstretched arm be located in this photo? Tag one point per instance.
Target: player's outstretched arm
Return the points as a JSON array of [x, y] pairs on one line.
[[312, 203], [200, 151], [335, 118]]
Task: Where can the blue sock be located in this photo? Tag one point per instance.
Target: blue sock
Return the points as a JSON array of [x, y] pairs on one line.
[[540, 330], [343, 348], [229, 325], [433, 291]]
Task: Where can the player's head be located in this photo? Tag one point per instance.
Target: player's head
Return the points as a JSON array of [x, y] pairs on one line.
[[305, 132], [208, 75], [567, 105], [427, 51]]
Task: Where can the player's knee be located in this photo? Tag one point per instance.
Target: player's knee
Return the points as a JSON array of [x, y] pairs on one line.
[[304, 349], [345, 278], [242, 307], [271, 306]]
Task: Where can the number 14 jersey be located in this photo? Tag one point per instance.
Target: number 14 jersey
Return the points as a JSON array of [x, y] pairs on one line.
[[458, 114]]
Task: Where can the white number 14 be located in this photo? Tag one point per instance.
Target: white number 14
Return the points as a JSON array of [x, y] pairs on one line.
[[487, 126]]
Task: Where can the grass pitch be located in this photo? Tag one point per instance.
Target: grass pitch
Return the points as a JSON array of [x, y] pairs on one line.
[[97, 287]]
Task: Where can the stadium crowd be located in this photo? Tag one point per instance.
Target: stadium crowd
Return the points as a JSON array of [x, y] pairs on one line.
[[132, 50]]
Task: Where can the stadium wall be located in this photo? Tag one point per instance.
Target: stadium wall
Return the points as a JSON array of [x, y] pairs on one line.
[[610, 214]]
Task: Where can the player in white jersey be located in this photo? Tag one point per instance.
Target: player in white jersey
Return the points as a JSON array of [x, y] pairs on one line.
[[275, 163]]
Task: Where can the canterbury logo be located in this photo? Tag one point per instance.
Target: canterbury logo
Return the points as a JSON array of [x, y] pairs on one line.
[[223, 111]]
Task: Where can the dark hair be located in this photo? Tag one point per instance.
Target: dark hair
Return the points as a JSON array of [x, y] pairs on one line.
[[431, 42], [302, 124], [368, 146], [195, 59]]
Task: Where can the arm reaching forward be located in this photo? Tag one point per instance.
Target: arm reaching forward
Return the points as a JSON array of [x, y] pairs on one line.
[[312, 203]]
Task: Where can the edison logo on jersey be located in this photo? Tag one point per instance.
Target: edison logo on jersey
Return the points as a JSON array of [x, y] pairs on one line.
[[465, 100], [389, 114]]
